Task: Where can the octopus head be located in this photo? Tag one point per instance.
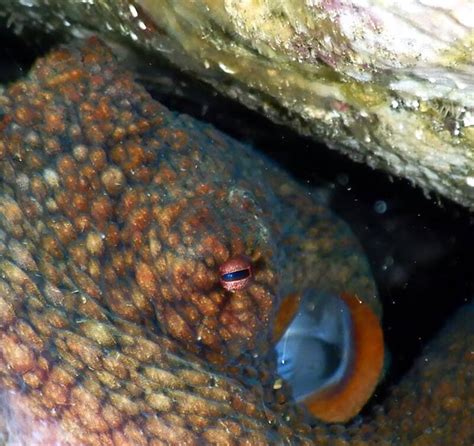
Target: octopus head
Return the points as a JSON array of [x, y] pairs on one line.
[[215, 275]]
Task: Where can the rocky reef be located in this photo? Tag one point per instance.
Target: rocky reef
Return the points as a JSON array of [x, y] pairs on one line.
[[388, 83]]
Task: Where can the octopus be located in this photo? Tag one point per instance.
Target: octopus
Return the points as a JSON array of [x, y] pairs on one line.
[[161, 283]]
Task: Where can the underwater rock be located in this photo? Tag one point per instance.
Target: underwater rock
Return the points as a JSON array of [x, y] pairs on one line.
[[388, 83]]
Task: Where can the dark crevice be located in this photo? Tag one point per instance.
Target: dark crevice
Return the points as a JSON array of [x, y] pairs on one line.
[[18, 52]]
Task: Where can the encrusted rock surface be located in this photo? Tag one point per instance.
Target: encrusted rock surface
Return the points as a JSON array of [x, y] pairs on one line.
[[388, 83]]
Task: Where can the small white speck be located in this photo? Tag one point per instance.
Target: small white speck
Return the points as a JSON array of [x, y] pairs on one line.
[[468, 120], [23, 181], [51, 205], [419, 134], [470, 181], [394, 104], [80, 152], [133, 11], [141, 25], [226, 69], [380, 207], [51, 177]]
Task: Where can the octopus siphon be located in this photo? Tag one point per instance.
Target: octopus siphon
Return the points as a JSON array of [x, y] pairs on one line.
[[161, 283]]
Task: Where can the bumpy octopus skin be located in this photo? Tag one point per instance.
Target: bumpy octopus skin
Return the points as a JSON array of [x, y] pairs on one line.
[[117, 220]]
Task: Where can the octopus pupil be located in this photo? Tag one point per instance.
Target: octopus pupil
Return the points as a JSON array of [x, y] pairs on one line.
[[236, 275]]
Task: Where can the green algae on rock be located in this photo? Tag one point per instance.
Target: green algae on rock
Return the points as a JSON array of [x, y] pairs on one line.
[[388, 83]]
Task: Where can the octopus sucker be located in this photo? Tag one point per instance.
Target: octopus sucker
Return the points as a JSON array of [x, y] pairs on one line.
[[144, 261]]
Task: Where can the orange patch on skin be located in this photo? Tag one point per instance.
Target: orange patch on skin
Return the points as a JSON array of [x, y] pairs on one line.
[[146, 279], [286, 313], [17, 355], [345, 399]]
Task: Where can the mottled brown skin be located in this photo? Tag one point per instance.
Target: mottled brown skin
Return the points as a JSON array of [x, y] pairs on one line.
[[434, 403], [115, 216]]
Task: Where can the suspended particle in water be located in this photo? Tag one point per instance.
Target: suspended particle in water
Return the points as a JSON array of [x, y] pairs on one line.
[[380, 207]]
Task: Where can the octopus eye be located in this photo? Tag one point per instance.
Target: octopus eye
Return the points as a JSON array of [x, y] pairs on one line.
[[236, 273], [332, 354]]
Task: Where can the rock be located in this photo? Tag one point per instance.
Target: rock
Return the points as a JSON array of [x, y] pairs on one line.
[[388, 83]]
